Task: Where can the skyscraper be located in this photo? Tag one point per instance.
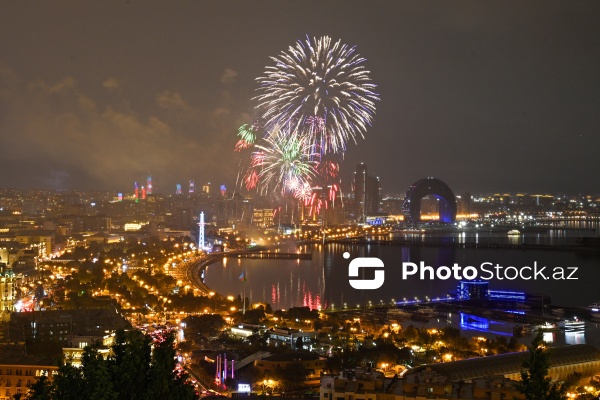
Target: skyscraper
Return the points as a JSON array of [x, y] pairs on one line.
[[149, 184], [360, 192], [367, 193], [373, 197]]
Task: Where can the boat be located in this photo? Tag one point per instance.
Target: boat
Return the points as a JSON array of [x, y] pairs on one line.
[[513, 232], [547, 327], [427, 311], [572, 324], [520, 330], [594, 310], [413, 231], [398, 313]]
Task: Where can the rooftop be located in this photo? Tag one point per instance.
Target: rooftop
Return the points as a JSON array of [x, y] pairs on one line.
[[510, 363]]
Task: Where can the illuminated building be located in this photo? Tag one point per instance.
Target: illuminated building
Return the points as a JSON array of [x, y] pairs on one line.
[[314, 365], [45, 241], [149, 184], [442, 378], [136, 192], [360, 192], [178, 188], [491, 377], [7, 290], [373, 195], [18, 370], [192, 187], [425, 187], [206, 188], [464, 203], [73, 353], [367, 193], [143, 193], [263, 217], [479, 290], [296, 339], [359, 385]]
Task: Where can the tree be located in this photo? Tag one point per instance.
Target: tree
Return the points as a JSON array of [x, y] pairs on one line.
[[130, 364], [41, 389], [165, 383], [293, 375], [96, 376], [133, 372], [68, 383], [535, 384]]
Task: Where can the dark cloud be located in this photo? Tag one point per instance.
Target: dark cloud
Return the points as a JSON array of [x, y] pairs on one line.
[[490, 96], [62, 129]]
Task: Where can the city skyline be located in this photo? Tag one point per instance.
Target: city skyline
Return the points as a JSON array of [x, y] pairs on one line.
[[496, 97]]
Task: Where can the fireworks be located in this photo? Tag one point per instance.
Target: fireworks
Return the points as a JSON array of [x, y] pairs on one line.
[[314, 98], [319, 88], [247, 136], [283, 162]]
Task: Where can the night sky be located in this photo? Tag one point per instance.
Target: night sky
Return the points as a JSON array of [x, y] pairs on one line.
[[487, 96]]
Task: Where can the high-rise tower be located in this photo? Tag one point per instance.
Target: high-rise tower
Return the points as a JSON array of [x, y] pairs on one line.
[[201, 231], [360, 192], [149, 184], [367, 193]]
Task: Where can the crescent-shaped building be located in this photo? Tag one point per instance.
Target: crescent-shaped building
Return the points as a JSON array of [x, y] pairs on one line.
[[424, 187]]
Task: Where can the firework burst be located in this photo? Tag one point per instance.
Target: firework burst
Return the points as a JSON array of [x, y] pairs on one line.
[[247, 134], [319, 89], [314, 98], [284, 162]]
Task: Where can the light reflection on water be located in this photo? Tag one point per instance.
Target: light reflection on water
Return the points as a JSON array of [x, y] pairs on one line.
[[471, 325], [289, 283], [323, 281]]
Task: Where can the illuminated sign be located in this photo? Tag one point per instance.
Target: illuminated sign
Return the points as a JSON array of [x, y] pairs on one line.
[[244, 388]]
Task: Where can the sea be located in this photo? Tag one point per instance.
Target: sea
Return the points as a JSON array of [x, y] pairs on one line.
[[323, 283]]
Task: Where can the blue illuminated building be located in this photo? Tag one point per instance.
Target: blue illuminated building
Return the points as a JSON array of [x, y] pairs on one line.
[[425, 187], [479, 290]]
